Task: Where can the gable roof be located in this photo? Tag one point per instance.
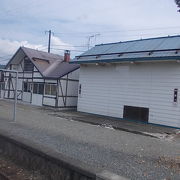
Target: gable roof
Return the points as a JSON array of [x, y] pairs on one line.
[[48, 64], [161, 48]]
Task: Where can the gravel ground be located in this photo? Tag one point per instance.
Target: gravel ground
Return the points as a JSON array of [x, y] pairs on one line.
[[13, 171], [127, 154]]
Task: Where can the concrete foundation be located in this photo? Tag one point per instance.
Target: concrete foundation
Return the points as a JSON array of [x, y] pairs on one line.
[[48, 163]]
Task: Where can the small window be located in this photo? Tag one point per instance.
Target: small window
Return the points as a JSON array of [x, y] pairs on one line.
[[35, 88], [28, 65], [47, 89], [136, 113], [51, 89], [2, 86], [15, 67], [27, 87], [80, 89], [41, 89], [38, 88], [1, 76]]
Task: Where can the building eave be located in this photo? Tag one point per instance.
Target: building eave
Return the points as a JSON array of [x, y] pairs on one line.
[[122, 60]]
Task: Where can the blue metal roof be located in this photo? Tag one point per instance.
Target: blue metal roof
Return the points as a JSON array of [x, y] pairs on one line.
[[163, 48]]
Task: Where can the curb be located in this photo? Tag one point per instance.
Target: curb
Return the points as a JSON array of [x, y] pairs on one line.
[[107, 175]]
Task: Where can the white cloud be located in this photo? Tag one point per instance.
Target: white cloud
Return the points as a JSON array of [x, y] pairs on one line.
[[58, 43], [9, 47]]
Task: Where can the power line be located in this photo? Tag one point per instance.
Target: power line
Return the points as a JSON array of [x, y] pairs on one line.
[[42, 49], [5, 56], [4, 60], [66, 49], [70, 45], [131, 35], [117, 31]]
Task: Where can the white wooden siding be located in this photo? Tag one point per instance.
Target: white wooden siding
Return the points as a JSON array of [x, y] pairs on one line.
[[106, 89], [74, 75]]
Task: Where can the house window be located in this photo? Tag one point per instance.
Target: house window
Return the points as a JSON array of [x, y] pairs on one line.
[[51, 89], [41, 88], [2, 86], [35, 88], [38, 88], [28, 65], [47, 89], [1, 76], [27, 87], [80, 89], [15, 67]]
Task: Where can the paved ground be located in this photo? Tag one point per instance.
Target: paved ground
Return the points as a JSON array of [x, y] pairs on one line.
[[132, 155], [152, 130]]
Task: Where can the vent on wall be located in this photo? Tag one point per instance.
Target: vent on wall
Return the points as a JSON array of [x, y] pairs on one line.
[[136, 113]]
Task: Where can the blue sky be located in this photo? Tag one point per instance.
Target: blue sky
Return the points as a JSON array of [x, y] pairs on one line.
[[23, 23]]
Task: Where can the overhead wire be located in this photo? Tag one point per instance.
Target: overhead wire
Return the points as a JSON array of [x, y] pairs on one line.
[[70, 45], [131, 35], [5, 56], [4, 60], [66, 49], [117, 31]]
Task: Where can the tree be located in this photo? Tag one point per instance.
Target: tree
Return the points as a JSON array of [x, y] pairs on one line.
[[178, 4]]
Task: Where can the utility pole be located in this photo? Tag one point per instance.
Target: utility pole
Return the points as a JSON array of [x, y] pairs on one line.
[[49, 40]]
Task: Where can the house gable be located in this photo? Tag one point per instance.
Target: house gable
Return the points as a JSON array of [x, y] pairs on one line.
[[22, 63]]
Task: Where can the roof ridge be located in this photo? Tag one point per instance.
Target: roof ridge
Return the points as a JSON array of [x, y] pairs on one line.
[[40, 51], [162, 37]]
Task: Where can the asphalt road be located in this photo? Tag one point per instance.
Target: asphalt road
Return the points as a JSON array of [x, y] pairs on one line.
[[127, 154]]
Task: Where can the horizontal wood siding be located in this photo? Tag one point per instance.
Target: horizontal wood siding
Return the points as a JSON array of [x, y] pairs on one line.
[[106, 89]]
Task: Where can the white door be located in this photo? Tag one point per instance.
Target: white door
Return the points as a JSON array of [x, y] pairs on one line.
[[27, 92]]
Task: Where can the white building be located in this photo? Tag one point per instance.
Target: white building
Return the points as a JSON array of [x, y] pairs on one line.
[[44, 78], [136, 80]]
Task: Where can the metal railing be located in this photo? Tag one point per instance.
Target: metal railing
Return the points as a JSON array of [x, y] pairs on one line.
[[2, 71]]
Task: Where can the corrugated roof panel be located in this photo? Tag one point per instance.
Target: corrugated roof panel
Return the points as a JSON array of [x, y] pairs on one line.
[[137, 45], [165, 46], [171, 43], [145, 45], [122, 47], [99, 49]]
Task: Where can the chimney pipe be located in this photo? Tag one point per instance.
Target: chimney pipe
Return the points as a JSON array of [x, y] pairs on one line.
[[67, 55]]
